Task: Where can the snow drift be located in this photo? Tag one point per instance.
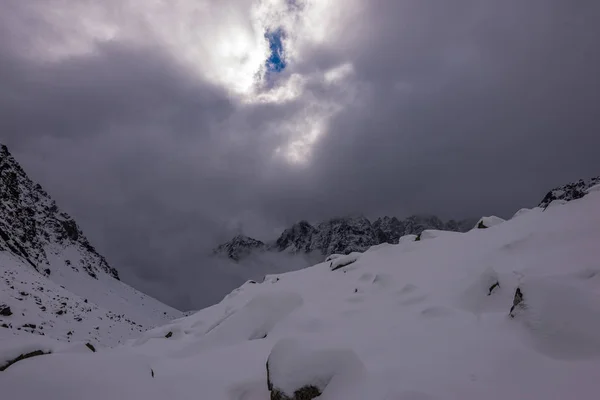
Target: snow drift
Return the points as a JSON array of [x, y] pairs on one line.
[[424, 319]]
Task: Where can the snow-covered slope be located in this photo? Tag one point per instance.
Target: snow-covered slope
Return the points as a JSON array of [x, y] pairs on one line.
[[570, 191], [52, 280], [507, 312]]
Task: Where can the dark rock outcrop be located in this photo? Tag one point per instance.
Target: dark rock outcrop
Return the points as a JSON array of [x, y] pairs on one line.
[[22, 357], [31, 222], [517, 302], [307, 392], [340, 235], [5, 310], [570, 191], [239, 247]]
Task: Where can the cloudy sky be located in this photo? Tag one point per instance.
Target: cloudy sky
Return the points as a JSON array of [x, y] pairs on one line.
[[165, 126]]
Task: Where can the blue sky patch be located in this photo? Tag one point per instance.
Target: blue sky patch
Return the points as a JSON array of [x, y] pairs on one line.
[[276, 61]]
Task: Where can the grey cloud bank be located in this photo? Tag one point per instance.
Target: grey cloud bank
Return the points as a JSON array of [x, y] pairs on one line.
[[460, 109]]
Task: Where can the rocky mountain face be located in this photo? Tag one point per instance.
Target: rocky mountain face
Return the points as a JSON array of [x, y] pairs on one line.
[[340, 235], [570, 191], [53, 282], [357, 234], [31, 224], [240, 247]]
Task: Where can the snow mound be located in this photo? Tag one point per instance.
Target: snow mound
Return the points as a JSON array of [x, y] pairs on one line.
[[292, 367], [432, 234], [257, 318], [426, 320], [18, 345], [407, 238], [595, 188], [562, 316], [524, 211], [333, 257], [342, 261], [488, 222], [556, 203]]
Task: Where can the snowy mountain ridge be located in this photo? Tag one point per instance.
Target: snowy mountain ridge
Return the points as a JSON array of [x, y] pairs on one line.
[[30, 223], [507, 310], [342, 235], [570, 191], [52, 280]]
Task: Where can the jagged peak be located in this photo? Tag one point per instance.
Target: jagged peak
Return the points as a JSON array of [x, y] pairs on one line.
[[569, 191], [31, 223]]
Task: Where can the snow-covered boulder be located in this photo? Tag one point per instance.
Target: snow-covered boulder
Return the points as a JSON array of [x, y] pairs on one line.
[[488, 222], [407, 238], [333, 257], [343, 261], [299, 372]]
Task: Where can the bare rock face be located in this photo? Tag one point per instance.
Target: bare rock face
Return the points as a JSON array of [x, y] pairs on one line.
[[239, 247], [570, 191], [22, 357], [339, 236], [31, 223], [517, 302]]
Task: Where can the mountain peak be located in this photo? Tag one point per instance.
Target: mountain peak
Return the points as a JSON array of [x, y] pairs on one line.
[[339, 235], [239, 247], [53, 281], [32, 225], [570, 191]]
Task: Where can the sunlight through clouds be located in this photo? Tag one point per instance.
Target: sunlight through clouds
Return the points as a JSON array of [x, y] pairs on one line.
[[249, 48]]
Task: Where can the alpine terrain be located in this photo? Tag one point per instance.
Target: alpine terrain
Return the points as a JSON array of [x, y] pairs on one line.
[[508, 310], [53, 282], [338, 236]]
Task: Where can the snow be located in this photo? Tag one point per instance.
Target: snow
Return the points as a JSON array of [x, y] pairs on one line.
[[53, 280], [488, 222], [524, 211], [595, 188], [73, 306], [420, 320], [293, 366], [343, 261]]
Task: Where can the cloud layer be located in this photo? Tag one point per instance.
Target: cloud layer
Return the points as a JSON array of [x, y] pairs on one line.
[[160, 128]]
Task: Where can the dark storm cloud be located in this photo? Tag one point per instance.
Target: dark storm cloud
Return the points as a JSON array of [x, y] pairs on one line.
[[462, 108], [471, 107]]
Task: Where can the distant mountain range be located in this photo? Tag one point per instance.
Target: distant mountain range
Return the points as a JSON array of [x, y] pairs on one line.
[[356, 234], [339, 236]]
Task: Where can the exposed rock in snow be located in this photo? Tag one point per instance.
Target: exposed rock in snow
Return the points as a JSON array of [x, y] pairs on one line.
[[340, 236], [488, 222], [296, 372], [343, 261], [296, 239], [33, 228], [570, 191], [423, 320], [52, 280]]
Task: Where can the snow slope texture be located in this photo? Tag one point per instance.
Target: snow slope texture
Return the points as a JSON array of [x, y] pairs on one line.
[[53, 282], [424, 320]]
